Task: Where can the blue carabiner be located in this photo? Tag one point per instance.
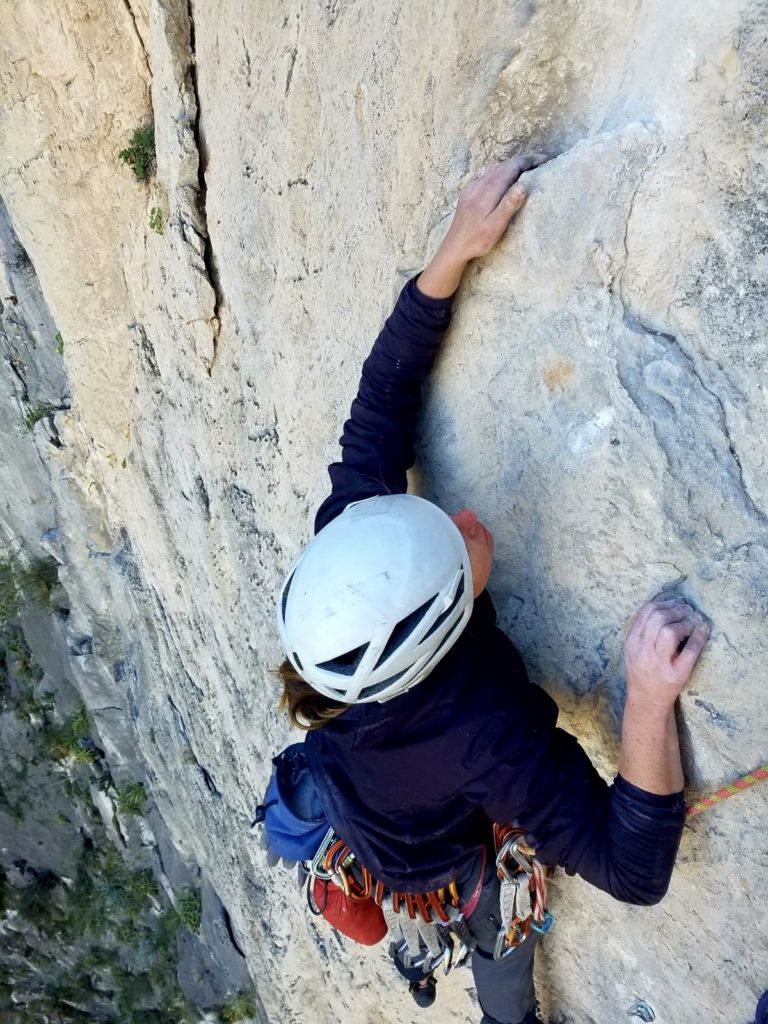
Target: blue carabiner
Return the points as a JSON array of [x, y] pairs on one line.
[[545, 925]]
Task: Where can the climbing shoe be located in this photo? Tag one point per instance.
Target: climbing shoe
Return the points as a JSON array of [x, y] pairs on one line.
[[761, 1017], [424, 995]]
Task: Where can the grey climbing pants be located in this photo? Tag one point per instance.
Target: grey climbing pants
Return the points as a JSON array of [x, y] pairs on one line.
[[504, 987]]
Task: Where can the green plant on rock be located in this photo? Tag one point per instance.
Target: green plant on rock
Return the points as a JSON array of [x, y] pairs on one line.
[[72, 739], [237, 1009], [131, 799], [141, 887], [38, 412], [98, 958], [178, 1011], [37, 581], [11, 805], [27, 704], [59, 343], [25, 668], [79, 722], [131, 992], [189, 909], [139, 154], [37, 905], [7, 901], [107, 894], [188, 755], [82, 754], [156, 220], [166, 930], [9, 597]]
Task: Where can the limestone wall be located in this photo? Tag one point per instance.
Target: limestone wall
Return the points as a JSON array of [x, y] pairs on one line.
[[600, 401]]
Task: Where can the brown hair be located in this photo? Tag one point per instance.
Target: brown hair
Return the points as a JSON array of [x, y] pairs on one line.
[[307, 709]]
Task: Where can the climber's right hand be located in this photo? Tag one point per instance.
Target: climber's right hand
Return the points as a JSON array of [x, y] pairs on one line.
[[487, 205], [485, 208], [661, 650]]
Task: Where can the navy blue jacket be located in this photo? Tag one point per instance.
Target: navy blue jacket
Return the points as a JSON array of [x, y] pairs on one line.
[[412, 784]]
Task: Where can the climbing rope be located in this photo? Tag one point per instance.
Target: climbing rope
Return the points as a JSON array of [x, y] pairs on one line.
[[743, 782]]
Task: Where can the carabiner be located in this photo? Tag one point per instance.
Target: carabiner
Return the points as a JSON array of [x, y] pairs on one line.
[[545, 925], [317, 867]]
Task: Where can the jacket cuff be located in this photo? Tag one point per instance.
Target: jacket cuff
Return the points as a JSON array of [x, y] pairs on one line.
[[442, 307], [674, 802]]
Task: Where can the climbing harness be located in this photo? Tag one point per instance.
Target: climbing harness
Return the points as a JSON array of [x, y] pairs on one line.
[[522, 891], [420, 925], [725, 792], [426, 929]]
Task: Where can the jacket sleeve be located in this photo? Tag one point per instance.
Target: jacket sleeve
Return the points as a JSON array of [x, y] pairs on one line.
[[377, 446], [619, 838]]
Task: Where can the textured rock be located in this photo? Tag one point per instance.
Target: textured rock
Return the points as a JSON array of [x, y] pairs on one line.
[[600, 401]]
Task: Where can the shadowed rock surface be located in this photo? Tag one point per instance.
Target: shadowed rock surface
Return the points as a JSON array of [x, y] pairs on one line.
[[600, 401]]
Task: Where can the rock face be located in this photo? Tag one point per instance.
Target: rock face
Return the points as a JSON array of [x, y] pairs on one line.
[[599, 401]]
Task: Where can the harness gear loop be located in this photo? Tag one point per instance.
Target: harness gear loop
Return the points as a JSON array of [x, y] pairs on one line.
[[425, 926], [522, 890]]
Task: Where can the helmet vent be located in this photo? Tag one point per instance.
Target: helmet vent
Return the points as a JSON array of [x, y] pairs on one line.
[[445, 639], [444, 615], [371, 691], [403, 630], [284, 602], [297, 659], [345, 664]]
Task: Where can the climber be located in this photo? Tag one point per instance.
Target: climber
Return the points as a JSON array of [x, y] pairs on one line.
[[423, 728]]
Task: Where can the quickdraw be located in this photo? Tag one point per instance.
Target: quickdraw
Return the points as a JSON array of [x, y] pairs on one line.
[[420, 924], [424, 927], [522, 891]]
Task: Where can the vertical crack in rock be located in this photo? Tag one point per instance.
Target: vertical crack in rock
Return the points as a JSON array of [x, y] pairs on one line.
[[231, 931], [144, 54], [291, 66], [210, 785], [29, 340], [208, 258], [146, 350]]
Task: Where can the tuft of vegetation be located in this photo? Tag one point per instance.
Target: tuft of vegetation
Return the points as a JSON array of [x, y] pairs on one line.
[[132, 799], [237, 1009], [29, 705], [107, 894], [25, 668], [188, 755], [9, 598], [36, 902], [156, 220], [38, 412], [59, 343], [12, 807], [72, 739], [189, 908], [166, 930], [33, 583], [37, 580], [139, 154]]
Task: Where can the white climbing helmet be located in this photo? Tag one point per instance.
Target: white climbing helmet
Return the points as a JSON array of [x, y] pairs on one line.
[[377, 598]]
